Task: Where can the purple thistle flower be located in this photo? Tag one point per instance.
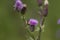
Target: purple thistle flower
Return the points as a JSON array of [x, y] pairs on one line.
[[32, 23], [58, 22], [18, 5], [39, 2]]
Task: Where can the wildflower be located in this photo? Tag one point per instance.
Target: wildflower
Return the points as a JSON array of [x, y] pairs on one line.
[[19, 6], [58, 22], [39, 2], [32, 23]]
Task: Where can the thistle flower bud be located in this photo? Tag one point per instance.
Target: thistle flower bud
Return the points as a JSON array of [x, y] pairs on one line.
[[39, 2], [18, 5], [32, 23], [45, 11]]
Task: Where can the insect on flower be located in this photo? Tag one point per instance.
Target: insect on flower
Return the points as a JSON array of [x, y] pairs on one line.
[[18, 5], [32, 23], [39, 2]]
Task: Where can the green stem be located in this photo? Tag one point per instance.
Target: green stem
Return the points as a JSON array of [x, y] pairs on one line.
[[39, 34], [30, 34]]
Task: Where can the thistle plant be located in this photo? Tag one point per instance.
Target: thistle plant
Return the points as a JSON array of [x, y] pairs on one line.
[[58, 22], [43, 11], [32, 23], [18, 5]]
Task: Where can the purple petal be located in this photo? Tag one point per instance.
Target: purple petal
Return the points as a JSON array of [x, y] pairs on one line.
[[18, 4], [58, 22], [33, 22]]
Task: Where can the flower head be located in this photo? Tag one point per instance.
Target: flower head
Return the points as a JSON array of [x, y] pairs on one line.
[[33, 22], [45, 10], [18, 5], [58, 22]]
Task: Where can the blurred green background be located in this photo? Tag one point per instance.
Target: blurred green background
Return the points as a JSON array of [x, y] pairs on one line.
[[12, 27]]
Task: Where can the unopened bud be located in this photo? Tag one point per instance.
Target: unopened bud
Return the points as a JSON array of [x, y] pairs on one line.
[[39, 2], [45, 10], [18, 5]]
